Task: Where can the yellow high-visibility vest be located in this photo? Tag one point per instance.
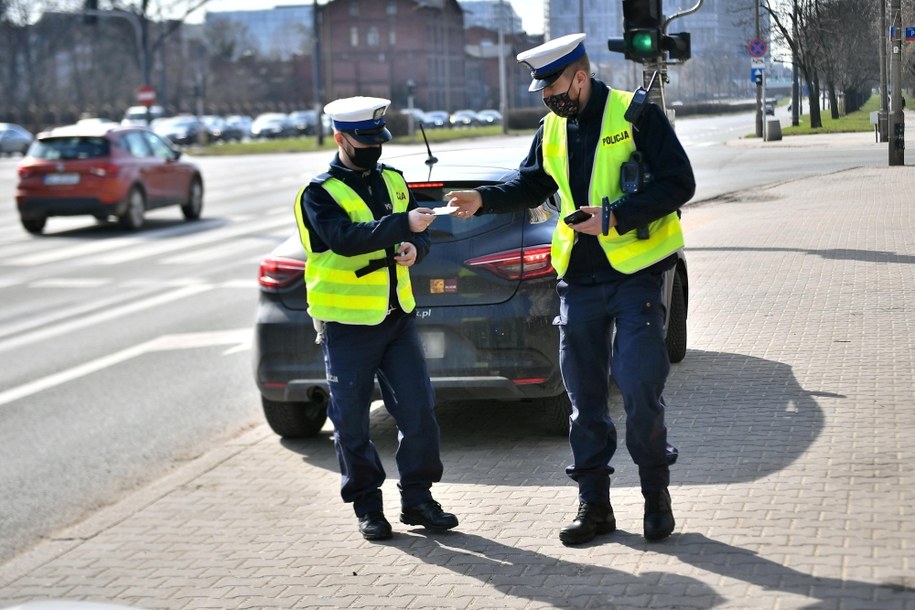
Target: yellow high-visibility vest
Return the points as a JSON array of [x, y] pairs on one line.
[[626, 253], [335, 294]]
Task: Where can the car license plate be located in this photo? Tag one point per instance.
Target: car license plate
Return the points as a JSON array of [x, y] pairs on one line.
[[61, 179], [433, 344]]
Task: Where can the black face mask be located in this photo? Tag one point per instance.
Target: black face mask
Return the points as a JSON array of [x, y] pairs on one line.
[[364, 158], [562, 104]]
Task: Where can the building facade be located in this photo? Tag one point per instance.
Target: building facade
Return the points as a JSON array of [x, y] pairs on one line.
[[377, 47]]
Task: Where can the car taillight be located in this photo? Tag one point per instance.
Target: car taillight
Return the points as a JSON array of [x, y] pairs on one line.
[[25, 172], [522, 264], [425, 185], [279, 272], [103, 169]]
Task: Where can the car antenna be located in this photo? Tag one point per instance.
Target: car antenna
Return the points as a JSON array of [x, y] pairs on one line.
[[431, 160]]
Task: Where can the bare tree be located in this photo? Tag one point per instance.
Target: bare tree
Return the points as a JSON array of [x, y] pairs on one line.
[[794, 23]]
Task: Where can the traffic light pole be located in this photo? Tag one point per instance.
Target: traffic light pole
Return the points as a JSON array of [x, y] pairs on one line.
[[656, 93], [759, 87], [896, 118]]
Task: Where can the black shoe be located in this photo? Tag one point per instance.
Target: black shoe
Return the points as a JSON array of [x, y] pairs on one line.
[[373, 526], [659, 517], [428, 514], [591, 520]]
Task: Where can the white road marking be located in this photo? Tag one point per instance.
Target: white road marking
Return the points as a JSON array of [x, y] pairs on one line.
[[239, 338], [102, 316], [70, 282]]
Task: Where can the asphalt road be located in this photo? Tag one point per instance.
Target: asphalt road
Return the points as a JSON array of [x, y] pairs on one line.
[[125, 354]]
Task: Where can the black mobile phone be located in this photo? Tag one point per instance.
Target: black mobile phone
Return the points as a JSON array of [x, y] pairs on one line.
[[576, 217]]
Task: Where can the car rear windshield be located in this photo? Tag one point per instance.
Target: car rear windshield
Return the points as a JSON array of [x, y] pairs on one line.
[[71, 147], [446, 227]]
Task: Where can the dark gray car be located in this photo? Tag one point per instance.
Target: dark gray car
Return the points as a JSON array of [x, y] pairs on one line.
[[486, 304]]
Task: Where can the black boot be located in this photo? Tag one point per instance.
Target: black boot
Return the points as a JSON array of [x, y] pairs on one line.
[[659, 517], [373, 526], [428, 514], [591, 520]]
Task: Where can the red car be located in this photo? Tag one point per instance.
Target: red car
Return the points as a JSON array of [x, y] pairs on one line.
[[104, 170]]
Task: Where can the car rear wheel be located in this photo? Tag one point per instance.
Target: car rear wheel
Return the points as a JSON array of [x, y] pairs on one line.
[[676, 325], [34, 225], [194, 205], [294, 419], [556, 411], [132, 218]]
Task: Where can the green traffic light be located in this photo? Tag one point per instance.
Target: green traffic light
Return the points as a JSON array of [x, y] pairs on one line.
[[643, 43]]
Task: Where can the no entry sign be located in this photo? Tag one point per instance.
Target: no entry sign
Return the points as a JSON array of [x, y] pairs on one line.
[[146, 95]]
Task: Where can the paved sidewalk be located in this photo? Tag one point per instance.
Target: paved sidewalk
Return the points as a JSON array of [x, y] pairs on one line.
[[793, 412]]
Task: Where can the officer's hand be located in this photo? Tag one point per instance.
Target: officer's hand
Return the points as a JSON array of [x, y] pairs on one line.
[[406, 255], [468, 202], [420, 219], [592, 226]]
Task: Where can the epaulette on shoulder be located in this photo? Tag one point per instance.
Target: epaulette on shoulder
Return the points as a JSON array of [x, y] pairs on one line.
[[321, 178], [393, 169]]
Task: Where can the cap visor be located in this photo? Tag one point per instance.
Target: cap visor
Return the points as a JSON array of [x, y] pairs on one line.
[[539, 84], [375, 137]]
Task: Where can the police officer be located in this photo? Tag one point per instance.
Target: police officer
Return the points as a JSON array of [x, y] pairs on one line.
[[610, 268], [362, 231]]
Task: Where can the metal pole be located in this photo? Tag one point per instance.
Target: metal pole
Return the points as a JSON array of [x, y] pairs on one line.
[[316, 68], [896, 119], [503, 94], [759, 107], [795, 85], [884, 107]]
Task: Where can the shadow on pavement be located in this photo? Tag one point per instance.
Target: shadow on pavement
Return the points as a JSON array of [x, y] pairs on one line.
[[734, 418], [556, 583], [838, 254], [747, 566], [526, 574]]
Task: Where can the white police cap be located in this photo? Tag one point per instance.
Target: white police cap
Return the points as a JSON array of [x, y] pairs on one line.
[[549, 59], [360, 117]]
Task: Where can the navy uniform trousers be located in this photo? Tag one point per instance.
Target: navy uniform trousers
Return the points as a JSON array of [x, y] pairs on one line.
[[639, 366], [353, 355]]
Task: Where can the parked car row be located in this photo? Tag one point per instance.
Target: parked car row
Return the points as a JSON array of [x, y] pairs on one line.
[[438, 119], [188, 129]]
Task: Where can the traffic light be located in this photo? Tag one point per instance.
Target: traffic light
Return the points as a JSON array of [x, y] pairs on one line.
[[678, 46], [644, 39], [642, 44], [642, 29], [89, 9]]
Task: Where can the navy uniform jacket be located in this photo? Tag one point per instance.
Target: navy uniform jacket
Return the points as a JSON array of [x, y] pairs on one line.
[[332, 229], [671, 186]]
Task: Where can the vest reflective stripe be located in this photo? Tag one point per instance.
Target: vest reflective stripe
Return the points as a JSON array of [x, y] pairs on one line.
[[334, 292], [626, 253]]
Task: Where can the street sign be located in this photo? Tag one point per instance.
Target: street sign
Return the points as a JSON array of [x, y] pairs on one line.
[[756, 74], [146, 95], [757, 48], [757, 62], [909, 34]]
